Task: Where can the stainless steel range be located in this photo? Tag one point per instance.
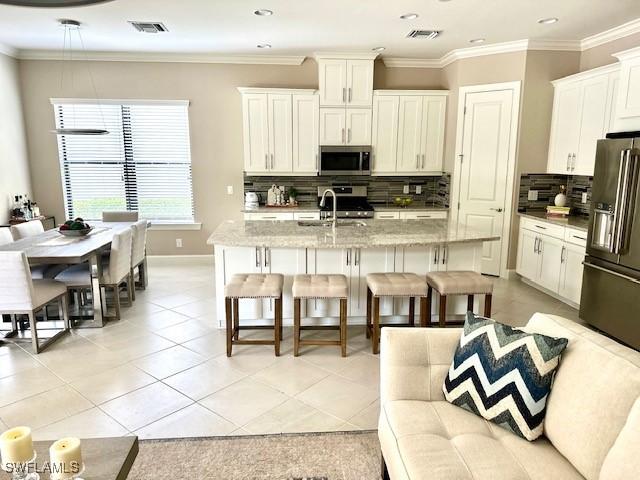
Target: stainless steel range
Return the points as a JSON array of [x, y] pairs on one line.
[[351, 202]]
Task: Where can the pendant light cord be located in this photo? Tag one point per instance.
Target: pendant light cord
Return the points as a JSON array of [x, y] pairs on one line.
[[93, 83]]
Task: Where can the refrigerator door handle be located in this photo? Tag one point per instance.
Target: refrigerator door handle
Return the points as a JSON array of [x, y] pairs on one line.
[[616, 274], [626, 176]]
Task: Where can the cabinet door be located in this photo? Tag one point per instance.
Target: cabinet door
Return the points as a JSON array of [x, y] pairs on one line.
[[327, 261], [463, 256], [385, 133], [565, 127], [432, 143], [280, 131], [418, 260], [612, 94], [358, 126], [409, 134], [366, 261], [628, 104], [359, 83], [333, 82], [306, 115], [288, 262], [571, 272], [243, 260], [593, 123], [332, 126], [256, 133], [422, 215], [550, 255], [528, 263]]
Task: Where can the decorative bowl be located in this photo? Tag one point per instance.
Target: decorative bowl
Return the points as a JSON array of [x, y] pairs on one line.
[[403, 201], [76, 233]]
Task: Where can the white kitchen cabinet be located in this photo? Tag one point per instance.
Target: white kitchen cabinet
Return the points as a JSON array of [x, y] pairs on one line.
[[366, 261], [345, 81], [571, 272], [306, 216], [385, 133], [288, 262], [422, 215], [550, 253], [273, 216], [306, 130], [432, 144], [409, 134], [582, 114], [358, 126], [333, 126], [271, 134], [628, 104], [327, 261], [528, 262], [386, 215]]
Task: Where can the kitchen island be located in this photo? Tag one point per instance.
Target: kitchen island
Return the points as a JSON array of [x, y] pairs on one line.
[[354, 250]]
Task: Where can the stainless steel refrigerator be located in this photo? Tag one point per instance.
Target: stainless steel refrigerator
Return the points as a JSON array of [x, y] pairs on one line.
[[611, 280]]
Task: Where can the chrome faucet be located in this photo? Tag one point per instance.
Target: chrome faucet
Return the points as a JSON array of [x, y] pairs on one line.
[[335, 204]]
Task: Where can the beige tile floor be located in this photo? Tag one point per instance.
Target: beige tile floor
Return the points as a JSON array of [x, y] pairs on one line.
[[162, 370]]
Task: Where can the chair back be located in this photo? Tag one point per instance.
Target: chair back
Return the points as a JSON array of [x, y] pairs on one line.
[[120, 256], [120, 216], [16, 286], [27, 229], [139, 242], [5, 236]]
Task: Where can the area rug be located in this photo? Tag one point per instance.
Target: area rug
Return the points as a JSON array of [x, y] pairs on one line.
[[313, 456]]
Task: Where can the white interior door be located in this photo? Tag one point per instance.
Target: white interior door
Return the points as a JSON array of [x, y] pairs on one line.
[[485, 159]]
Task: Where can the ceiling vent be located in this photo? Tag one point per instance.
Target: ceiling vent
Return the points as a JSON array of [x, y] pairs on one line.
[[426, 34], [149, 27]]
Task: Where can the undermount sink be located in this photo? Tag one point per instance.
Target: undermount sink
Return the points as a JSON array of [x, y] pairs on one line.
[[328, 223]]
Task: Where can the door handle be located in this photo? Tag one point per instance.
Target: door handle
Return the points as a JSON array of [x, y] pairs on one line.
[[343, 135], [573, 162], [562, 252], [272, 163], [349, 94], [344, 95], [616, 274], [496, 209], [266, 161], [417, 161], [436, 255], [348, 135], [540, 247], [568, 161], [535, 245], [357, 257], [445, 251], [423, 160], [258, 257]]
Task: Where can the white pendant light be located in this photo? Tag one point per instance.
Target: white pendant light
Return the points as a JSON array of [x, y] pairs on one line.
[[71, 26]]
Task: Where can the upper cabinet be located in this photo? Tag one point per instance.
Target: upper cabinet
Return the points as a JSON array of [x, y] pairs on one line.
[[345, 82], [627, 106], [408, 131], [280, 131], [583, 112]]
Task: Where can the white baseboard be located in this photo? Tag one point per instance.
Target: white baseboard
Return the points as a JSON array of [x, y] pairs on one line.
[[550, 293]]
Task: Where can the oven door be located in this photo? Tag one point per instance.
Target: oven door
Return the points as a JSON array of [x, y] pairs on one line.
[[343, 161]]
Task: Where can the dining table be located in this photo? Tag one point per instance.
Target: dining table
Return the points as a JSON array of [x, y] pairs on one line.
[[52, 248]]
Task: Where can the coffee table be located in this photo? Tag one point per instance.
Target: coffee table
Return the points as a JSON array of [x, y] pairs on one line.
[[104, 458]]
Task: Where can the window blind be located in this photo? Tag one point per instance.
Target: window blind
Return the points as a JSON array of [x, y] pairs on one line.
[[143, 164]]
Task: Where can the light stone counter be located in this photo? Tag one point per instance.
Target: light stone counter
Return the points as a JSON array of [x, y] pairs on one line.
[[376, 233], [574, 221]]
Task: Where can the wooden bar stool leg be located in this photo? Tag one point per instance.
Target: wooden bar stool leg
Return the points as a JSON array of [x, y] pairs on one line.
[[487, 305], [236, 318], [442, 320], [423, 312], [343, 326], [412, 311], [368, 326], [277, 327], [375, 333], [429, 305], [469, 303], [227, 311], [296, 327]]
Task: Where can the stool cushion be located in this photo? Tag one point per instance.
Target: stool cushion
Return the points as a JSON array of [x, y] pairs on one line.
[[396, 285], [254, 285], [459, 283], [320, 286]]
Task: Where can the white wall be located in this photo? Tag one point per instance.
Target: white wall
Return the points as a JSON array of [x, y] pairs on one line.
[[14, 165]]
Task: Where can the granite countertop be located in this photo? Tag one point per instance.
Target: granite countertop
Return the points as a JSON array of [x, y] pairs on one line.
[[412, 208], [376, 233], [579, 222]]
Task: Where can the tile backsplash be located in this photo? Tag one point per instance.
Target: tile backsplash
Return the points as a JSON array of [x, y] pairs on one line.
[[380, 190], [548, 186]]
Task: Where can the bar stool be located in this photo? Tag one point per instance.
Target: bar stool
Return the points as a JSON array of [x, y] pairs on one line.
[[252, 285], [393, 285], [458, 283], [320, 287]]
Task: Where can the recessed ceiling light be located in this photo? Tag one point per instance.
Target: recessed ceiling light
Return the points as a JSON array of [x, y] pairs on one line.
[[547, 21], [263, 45], [409, 16], [378, 49], [263, 12], [477, 40]]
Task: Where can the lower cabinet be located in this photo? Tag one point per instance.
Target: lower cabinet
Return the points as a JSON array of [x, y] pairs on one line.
[[552, 263]]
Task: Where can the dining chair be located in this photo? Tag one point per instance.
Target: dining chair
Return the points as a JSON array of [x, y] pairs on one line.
[[22, 295], [116, 272], [5, 236], [139, 256], [120, 216], [27, 229]]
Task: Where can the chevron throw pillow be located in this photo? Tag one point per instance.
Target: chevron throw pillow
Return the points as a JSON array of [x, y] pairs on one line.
[[504, 374]]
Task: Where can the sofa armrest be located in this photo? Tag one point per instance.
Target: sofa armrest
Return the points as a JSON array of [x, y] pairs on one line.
[[414, 362]]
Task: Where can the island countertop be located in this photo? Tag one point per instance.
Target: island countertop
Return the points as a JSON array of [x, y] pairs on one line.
[[376, 233]]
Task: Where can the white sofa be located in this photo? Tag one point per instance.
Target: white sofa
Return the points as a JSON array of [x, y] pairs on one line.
[[592, 426]]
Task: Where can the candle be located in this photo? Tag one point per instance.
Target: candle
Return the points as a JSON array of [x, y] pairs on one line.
[[16, 446], [66, 458]]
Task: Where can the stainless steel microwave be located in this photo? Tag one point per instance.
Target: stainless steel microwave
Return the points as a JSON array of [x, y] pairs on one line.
[[339, 160]]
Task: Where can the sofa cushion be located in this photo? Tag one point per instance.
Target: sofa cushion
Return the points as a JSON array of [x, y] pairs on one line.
[[504, 374], [439, 441], [589, 412]]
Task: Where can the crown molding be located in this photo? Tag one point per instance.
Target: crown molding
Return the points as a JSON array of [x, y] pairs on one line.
[[399, 62], [164, 57], [8, 51], [628, 54], [612, 34], [346, 55], [556, 45], [482, 50]]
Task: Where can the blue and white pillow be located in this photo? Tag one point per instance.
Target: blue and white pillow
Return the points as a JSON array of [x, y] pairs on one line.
[[504, 374]]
